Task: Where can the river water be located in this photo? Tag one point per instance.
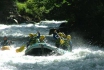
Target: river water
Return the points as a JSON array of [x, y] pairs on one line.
[[82, 57]]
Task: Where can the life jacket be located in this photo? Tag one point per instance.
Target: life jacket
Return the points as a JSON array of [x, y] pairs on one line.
[[62, 41], [34, 40], [66, 42]]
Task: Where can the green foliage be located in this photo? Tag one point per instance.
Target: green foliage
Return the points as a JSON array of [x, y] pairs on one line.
[[21, 7], [72, 10], [35, 7], [39, 7]]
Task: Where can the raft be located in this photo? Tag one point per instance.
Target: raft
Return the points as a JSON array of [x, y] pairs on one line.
[[5, 48], [40, 49]]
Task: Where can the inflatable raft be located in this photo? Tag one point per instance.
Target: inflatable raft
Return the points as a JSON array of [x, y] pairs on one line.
[[39, 49]]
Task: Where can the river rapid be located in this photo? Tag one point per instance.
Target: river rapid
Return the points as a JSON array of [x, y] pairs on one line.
[[83, 56]]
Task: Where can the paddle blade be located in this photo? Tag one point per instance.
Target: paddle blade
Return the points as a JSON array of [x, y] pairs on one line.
[[20, 49]]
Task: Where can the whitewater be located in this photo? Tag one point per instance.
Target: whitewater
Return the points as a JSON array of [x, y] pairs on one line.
[[83, 56]]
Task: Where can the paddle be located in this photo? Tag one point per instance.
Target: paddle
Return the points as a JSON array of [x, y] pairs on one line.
[[61, 39], [20, 49]]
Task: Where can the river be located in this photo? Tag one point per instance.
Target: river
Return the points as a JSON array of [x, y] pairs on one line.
[[82, 57]]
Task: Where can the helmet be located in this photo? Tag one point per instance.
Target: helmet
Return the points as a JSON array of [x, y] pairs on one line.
[[68, 37], [42, 37], [55, 30], [60, 34], [64, 36], [5, 37], [31, 35], [34, 35]]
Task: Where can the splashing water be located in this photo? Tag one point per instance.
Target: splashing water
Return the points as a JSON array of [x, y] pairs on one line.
[[83, 56]]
